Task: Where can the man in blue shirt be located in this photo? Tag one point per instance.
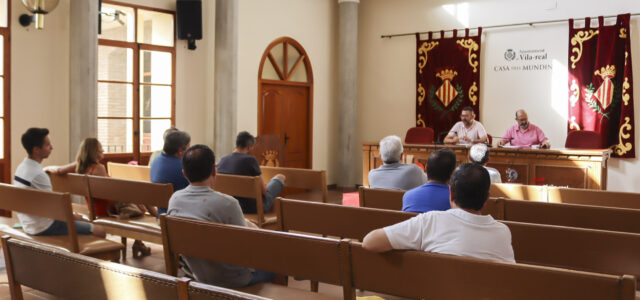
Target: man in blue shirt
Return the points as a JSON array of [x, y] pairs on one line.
[[167, 167], [434, 195]]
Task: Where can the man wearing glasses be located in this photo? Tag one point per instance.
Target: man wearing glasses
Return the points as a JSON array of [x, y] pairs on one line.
[[467, 130]]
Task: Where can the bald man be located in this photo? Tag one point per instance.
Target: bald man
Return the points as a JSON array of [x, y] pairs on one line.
[[524, 134]]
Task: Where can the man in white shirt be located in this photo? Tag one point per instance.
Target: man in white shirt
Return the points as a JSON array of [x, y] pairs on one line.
[[467, 130], [393, 174], [479, 154], [30, 174], [461, 231]]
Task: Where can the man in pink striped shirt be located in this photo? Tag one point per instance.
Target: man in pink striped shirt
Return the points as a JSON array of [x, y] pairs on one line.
[[524, 134]]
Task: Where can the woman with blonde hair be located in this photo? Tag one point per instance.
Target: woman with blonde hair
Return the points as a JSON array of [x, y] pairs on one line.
[[90, 153]]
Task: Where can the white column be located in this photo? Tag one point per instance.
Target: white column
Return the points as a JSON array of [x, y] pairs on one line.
[[226, 77], [347, 91], [83, 69]]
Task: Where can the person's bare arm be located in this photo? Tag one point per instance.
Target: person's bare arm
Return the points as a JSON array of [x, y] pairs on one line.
[[482, 139], [377, 241], [100, 170], [451, 139], [250, 224], [69, 168]]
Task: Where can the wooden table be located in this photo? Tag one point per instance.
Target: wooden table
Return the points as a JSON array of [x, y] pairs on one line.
[[577, 168]]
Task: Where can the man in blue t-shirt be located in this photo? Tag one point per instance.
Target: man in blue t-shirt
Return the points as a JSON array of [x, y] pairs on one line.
[[240, 162], [434, 195], [167, 167]]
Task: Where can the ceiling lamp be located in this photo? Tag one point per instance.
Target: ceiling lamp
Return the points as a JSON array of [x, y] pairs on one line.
[[38, 8]]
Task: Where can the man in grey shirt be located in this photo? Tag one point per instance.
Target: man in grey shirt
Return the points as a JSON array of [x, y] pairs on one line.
[[393, 174], [199, 201]]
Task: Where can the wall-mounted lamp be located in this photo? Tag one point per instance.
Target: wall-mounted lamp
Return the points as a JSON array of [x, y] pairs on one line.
[[38, 8]]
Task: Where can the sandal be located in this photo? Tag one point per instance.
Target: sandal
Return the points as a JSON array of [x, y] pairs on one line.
[[139, 249]]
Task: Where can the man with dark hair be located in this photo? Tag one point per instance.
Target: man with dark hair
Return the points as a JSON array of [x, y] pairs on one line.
[[434, 195], [200, 201], [461, 231], [479, 154], [241, 163], [467, 130], [167, 167], [30, 174]]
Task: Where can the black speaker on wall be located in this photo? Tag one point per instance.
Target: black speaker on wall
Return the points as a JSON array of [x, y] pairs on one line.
[[189, 21]]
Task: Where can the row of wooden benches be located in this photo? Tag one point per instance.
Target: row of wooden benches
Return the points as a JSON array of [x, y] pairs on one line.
[[243, 186], [341, 262], [545, 271]]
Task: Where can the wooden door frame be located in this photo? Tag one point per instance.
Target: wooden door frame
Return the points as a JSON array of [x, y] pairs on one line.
[[309, 85]]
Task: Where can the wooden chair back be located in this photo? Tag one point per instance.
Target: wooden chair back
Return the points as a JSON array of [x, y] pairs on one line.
[[422, 275], [573, 248], [308, 257], [594, 197], [41, 203], [300, 178], [334, 220], [131, 172], [74, 276], [242, 186], [131, 191], [519, 191], [380, 198]]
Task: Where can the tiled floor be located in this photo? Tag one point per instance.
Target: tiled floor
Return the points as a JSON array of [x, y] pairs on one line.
[[155, 262]]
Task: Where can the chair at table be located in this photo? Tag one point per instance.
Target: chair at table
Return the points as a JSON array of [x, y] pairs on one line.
[[583, 140], [419, 135]]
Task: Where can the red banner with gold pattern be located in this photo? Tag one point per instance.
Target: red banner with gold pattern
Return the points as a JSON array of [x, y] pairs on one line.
[[447, 79], [600, 79]]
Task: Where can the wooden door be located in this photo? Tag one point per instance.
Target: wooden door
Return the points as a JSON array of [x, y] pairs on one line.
[[286, 113], [285, 101]]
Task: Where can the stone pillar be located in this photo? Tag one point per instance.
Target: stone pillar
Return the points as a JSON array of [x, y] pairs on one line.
[[83, 70], [226, 77], [347, 91]]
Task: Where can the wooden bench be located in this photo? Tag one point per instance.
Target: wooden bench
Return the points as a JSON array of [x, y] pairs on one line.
[[131, 172], [76, 184], [593, 197], [573, 215], [381, 198], [246, 187], [307, 257], [73, 276], [422, 275], [300, 178], [519, 191], [591, 250], [145, 228], [56, 206]]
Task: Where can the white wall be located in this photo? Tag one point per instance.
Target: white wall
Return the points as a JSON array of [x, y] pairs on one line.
[[313, 24], [386, 86], [40, 79]]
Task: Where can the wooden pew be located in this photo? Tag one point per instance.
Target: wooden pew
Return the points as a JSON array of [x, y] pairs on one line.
[[593, 197], [519, 191], [131, 172], [145, 228], [308, 257], [351, 222], [300, 178], [56, 206], [76, 184], [573, 215], [247, 187], [73, 276], [422, 275], [590, 250], [380, 198]]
